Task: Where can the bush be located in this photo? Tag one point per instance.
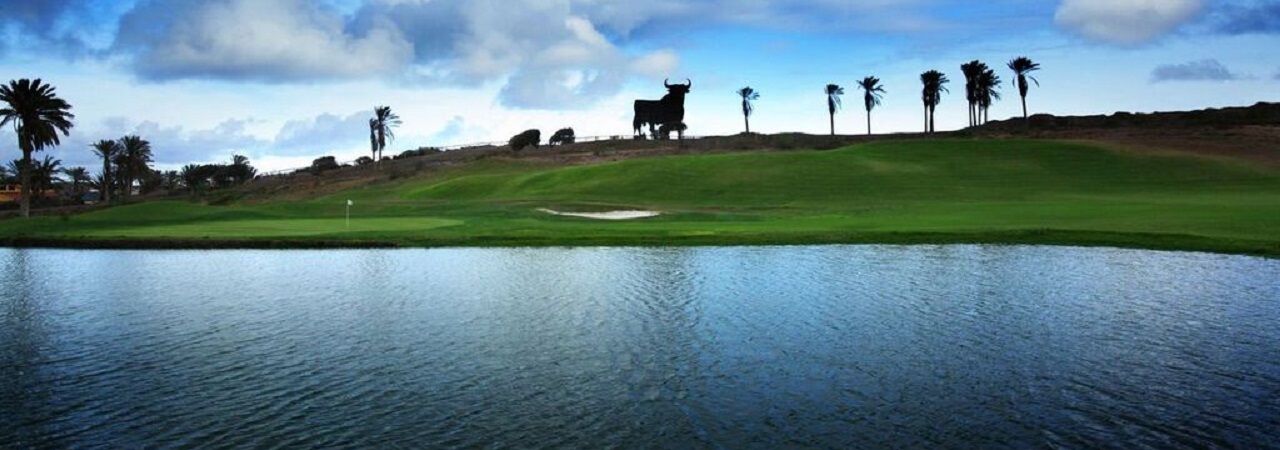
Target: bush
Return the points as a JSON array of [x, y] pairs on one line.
[[525, 139], [324, 163], [562, 136]]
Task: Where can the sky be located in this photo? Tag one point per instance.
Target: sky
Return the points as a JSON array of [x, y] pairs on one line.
[[286, 81]]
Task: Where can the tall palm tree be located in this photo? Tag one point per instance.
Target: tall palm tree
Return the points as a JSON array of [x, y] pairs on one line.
[[834, 91], [972, 70], [380, 129], [1021, 66], [37, 115], [133, 162], [985, 92], [934, 85], [871, 97], [748, 95], [107, 150]]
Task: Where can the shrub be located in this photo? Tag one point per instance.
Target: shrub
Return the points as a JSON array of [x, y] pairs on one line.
[[525, 139], [562, 136], [324, 163]]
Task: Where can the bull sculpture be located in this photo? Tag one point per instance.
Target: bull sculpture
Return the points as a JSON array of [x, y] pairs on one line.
[[525, 139], [667, 111]]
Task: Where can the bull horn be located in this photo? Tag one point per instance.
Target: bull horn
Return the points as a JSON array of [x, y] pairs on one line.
[[688, 83], [666, 82]]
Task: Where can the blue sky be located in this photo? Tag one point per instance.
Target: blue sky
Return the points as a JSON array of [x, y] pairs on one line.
[[286, 81]]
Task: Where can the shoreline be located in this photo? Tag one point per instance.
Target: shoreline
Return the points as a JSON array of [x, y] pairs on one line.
[[1054, 238]]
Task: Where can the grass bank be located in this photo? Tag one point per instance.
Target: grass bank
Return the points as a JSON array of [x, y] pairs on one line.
[[916, 191]]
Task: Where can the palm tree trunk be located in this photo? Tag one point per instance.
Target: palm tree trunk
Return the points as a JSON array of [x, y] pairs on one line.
[[106, 180], [1024, 110], [126, 183], [747, 123], [833, 124], [868, 122], [24, 177]]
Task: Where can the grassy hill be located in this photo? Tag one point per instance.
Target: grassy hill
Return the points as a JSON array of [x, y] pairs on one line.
[[905, 191]]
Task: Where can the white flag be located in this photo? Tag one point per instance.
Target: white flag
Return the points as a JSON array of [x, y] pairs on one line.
[[349, 202]]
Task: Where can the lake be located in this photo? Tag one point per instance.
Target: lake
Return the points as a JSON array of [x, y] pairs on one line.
[[962, 346]]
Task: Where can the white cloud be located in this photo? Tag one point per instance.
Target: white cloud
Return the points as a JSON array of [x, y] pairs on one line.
[[177, 145], [554, 60], [657, 64], [275, 40], [325, 130], [1125, 22]]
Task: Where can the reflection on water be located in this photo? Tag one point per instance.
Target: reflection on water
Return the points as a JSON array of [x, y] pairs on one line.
[[757, 347]]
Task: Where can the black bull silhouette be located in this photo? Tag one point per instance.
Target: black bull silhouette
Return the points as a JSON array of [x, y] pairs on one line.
[[668, 111]]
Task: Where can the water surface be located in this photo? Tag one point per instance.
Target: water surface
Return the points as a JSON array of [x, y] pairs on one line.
[[752, 347]]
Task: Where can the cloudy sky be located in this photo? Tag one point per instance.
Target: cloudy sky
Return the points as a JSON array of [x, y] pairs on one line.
[[286, 81]]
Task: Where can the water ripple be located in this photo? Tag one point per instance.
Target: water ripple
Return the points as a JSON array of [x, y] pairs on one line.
[[755, 347]]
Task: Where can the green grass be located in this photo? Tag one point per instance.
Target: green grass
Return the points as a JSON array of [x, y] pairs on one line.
[[935, 191]]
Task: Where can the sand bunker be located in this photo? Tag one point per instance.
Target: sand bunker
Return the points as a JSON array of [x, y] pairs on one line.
[[607, 215]]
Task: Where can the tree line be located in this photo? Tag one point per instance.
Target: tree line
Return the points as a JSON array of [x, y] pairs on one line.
[[40, 118], [982, 86]]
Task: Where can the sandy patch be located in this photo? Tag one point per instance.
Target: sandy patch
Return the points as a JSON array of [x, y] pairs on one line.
[[607, 215]]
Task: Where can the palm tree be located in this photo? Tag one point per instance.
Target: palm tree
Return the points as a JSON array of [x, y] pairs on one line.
[[172, 180], [79, 179], [1021, 66], [934, 85], [132, 162], [380, 129], [195, 176], [107, 150], [985, 93], [98, 183], [748, 95], [834, 91], [40, 174], [44, 173], [37, 115], [14, 167], [871, 97], [972, 70], [240, 169]]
